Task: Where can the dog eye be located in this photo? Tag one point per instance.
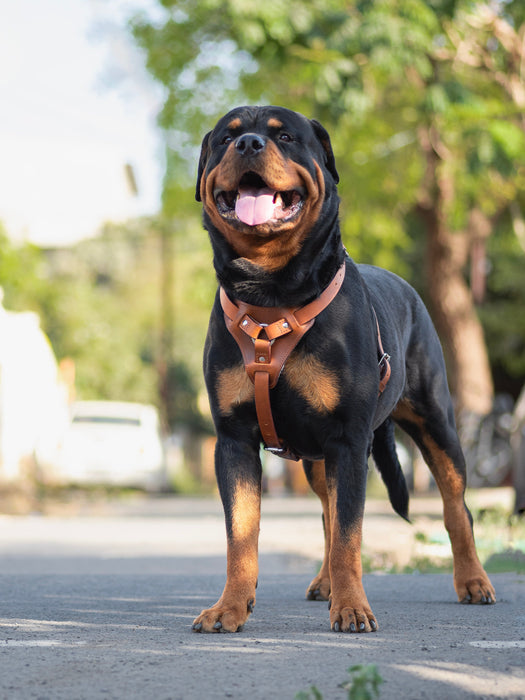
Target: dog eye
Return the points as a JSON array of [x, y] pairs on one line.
[[285, 137], [226, 139]]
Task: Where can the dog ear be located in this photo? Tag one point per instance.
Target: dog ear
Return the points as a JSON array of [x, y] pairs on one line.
[[324, 139], [202, 165]]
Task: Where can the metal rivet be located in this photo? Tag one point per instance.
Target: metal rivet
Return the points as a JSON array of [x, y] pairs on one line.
[[285, 324], [262, 359], [245, 322]]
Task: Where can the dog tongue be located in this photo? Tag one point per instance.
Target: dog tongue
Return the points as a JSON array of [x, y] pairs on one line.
[[254, 206]]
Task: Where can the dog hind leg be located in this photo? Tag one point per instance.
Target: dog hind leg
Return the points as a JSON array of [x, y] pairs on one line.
[[319, 588], [434, 432]]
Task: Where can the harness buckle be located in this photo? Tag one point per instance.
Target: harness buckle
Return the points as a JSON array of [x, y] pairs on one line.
[[275, 450], [384, 358], [283, 452]]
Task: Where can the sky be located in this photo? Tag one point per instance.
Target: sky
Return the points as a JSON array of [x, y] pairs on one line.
[[76, 106]]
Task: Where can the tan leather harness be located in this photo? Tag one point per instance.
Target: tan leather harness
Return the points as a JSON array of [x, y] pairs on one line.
[[266, 336]]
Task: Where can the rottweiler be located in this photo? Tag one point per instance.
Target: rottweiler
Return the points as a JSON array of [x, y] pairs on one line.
[[267, 181]]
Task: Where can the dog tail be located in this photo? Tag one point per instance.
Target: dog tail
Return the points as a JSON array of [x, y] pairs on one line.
[[387, 462]]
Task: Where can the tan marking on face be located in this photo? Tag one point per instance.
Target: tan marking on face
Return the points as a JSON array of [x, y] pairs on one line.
[[317, 384], [233, 388], [235, 123], [275, 123], [271, 245]]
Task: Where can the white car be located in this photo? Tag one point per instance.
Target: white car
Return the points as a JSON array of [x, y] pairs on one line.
[[112, 443]]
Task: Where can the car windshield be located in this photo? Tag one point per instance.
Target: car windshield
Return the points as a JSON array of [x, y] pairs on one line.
[[107, 420]]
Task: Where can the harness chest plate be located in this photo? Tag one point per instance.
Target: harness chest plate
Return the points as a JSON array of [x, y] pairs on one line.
[[266, 336]]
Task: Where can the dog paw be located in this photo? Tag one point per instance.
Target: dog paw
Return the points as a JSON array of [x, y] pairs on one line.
[[224, 617], [477, 590], [319, 589], [352, 618]]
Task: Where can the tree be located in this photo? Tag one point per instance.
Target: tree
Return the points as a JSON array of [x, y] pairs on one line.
[[20, 274], [108, 306], [424, 101]]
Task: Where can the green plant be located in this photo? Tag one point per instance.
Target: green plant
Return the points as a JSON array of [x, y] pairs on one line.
[[363, 684], [312, 694]]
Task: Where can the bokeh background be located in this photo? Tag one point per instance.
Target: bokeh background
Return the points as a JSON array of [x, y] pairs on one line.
[[106, 271]]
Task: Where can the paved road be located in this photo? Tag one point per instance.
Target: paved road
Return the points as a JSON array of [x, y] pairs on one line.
[[100, 606]]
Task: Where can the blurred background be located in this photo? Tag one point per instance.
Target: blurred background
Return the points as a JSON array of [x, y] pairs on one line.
[[106, 272]]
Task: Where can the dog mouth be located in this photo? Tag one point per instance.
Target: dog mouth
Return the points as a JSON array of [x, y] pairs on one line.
[[254, 202]]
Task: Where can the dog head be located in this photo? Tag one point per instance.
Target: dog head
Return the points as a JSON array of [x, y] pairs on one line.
[[265, 174]]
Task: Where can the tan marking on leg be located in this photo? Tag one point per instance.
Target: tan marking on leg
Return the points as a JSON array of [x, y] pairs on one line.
[[470, 580], [233, 608], [317, 384], [246, 513], [350, 610], [404, 411], [319, 589], [233, 388]]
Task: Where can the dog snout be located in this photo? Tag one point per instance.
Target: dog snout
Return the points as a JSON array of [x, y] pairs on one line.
[[249, 144]]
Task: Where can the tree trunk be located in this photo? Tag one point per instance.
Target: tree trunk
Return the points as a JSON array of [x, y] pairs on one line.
[[453, 307]]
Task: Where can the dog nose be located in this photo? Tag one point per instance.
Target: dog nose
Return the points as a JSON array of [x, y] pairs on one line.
[[249, 144]]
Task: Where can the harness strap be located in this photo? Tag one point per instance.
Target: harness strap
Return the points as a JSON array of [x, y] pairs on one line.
[[266, 336], [384, 360], [258, 328]]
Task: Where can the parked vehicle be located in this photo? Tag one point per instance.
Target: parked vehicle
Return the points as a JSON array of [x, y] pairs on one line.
[[112, 443]]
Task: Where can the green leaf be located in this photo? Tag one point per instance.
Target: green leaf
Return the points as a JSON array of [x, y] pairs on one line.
[[509, 137]]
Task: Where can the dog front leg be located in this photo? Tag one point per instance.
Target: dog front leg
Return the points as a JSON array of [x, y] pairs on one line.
[[346, 482], [239, 478]]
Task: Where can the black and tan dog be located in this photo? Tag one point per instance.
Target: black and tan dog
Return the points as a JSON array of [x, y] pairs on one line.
[[267, 181]]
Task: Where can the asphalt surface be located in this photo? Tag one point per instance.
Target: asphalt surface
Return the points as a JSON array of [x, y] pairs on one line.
[[99, 604]]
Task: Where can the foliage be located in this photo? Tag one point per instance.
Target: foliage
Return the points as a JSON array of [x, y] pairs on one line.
[[387, 78], [313, 693], [504, 327], [127, 308], [117, 305], [87, 316], [21, 274], [363, 685], [392, 81]]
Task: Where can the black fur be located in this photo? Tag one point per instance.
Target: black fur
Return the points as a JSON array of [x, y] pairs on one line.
[[343, 340]]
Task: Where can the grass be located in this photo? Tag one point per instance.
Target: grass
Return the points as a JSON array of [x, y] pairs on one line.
[[500, 542], [500, 539]]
